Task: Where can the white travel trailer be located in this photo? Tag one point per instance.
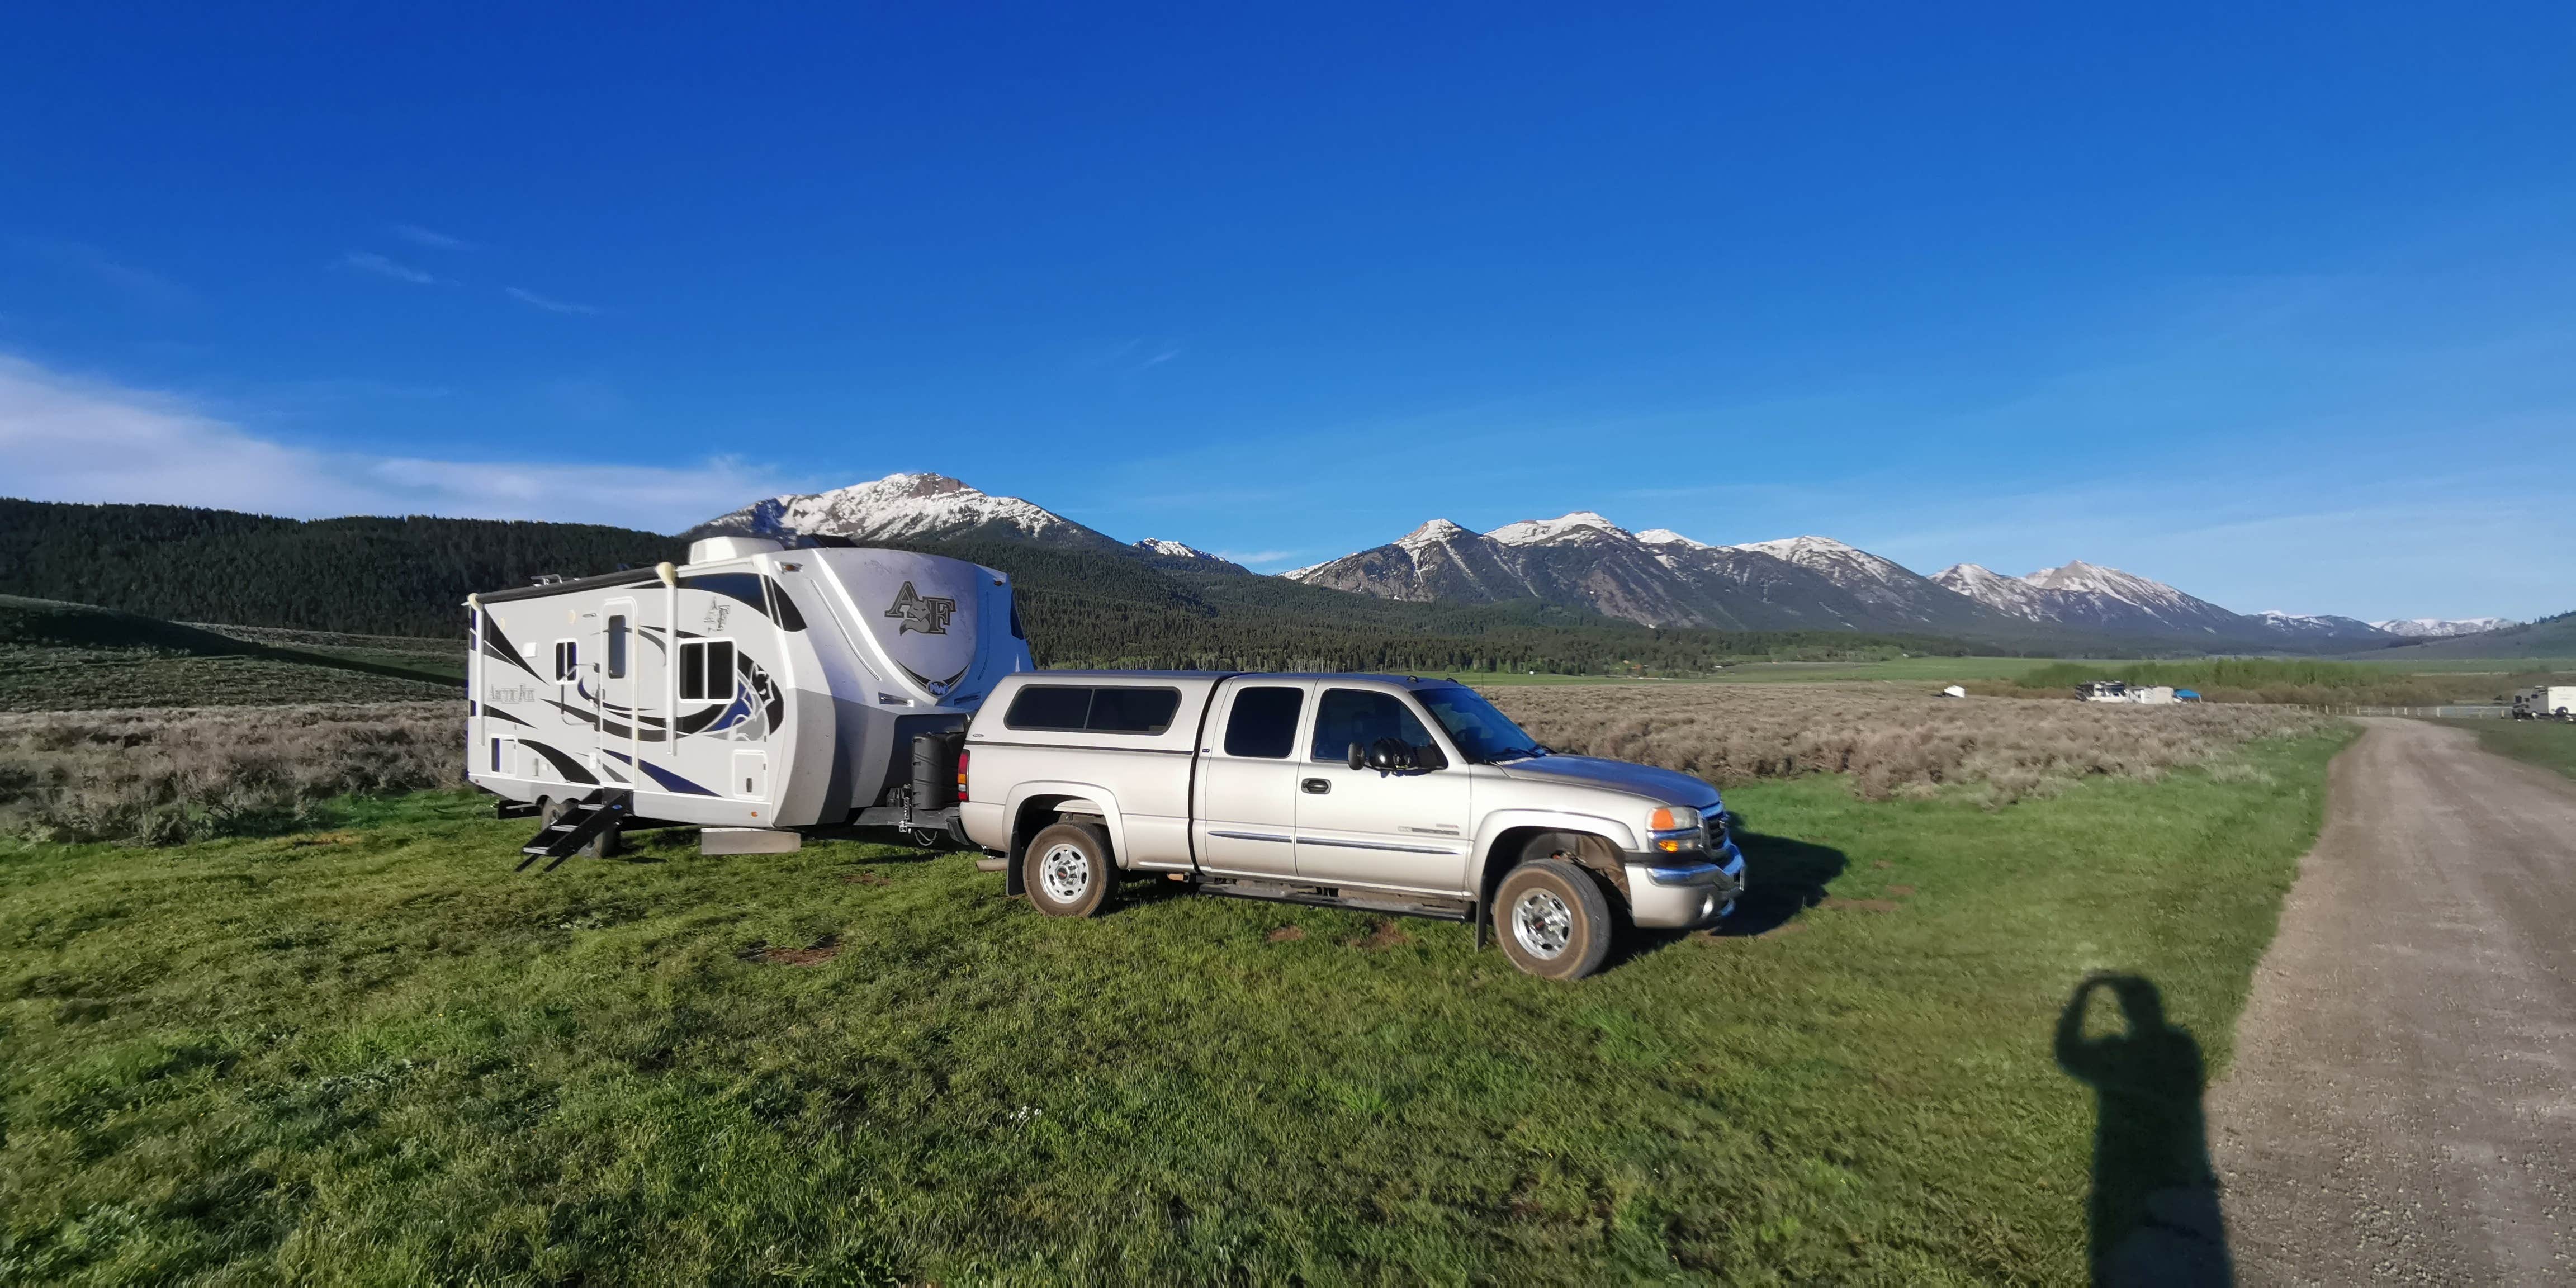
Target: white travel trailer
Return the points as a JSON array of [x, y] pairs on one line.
[[757, 687]]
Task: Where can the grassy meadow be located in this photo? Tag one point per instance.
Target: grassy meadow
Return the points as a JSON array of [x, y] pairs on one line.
[[75, 657], [2550, 744], [370, 1053]]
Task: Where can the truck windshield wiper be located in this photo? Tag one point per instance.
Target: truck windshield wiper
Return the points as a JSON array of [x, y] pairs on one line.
[[1514, 753]]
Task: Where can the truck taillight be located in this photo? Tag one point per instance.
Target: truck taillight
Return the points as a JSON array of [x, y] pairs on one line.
[[961, 777]]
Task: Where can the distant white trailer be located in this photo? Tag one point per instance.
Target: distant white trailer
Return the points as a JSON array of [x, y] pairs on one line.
[[755, 687], [2153, 695], [2547, 702]]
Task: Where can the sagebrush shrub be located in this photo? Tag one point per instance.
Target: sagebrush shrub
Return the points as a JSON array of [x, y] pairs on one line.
[[163, 777], [1890, 741]]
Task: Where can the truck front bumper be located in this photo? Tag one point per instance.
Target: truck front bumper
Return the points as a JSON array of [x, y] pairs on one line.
[[1684, 892]]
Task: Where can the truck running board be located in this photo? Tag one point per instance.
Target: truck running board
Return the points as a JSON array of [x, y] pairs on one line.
[[1332, 897], [583, 822]]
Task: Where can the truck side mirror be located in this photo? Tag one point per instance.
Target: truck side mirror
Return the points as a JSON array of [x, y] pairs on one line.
[[1390, 755], [1359, 756]]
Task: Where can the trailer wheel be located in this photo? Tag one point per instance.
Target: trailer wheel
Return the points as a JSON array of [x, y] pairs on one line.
[[1068, 871], [1552, 920]]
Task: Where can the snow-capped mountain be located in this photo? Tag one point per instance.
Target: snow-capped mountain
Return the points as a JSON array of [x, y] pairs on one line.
[[2087, 597], [2320, 628], [2436, 628], [1880, 583], [1659, 577], [903, 507]]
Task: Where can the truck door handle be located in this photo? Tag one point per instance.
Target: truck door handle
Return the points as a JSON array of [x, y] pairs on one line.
[[1317, 786]]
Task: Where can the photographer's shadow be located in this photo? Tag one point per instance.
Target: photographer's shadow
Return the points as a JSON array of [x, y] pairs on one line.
[[2154, 1214]]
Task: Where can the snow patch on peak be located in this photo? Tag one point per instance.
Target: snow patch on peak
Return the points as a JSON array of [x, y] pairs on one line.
[[1795, 548], [1436, 532], [1538, 532], [2434, 628], [1158, 546], [2092, 579], [1668, 537], [902, 505]]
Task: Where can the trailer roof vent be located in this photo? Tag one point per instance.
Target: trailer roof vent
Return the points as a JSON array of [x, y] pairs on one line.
[[710, 549]]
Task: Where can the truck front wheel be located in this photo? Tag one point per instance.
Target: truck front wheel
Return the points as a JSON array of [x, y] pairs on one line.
[[1552, 920], [1068, 871]]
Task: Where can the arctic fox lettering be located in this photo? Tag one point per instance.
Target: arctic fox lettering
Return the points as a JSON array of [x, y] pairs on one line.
[[925, 614]]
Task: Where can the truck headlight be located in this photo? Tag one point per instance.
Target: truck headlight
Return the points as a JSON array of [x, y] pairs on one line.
[[1676, 828]]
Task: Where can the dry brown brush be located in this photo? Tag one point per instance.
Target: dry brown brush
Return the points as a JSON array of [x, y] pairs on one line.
[[1891, 741], [165, 776]]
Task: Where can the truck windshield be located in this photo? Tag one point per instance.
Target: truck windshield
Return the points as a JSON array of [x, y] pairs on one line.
[[1483, 734]]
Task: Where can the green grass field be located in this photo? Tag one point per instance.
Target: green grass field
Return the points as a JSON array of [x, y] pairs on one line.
[[1932, 671], [75, 657], [2471, 665], [376, 1055], [42, 678], [2548, 743]]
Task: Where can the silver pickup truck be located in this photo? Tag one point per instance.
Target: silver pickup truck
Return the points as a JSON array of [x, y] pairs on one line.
[[1385, 793]]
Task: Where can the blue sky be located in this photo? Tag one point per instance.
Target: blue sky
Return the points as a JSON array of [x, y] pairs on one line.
[[2276, 303]]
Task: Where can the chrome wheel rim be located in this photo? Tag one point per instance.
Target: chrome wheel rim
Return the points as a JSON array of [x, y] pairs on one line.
[[1065, 872], [1542, 923]]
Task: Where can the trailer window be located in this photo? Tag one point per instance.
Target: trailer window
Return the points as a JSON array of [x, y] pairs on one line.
[[617, 647], [706, 671], [567, 660], [1263, 723]]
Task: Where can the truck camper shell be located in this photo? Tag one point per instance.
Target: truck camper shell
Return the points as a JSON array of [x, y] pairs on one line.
[[757, 686]]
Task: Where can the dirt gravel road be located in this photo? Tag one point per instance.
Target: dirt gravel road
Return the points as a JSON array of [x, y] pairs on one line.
[[2402, 1108]]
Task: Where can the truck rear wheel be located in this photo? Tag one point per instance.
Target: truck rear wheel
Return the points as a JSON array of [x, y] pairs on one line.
[[1068, 871], [1552, 920]]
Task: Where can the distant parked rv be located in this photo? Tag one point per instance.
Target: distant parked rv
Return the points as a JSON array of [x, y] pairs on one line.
[[2548, 702]]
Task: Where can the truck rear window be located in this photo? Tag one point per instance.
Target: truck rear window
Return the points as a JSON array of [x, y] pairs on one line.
[[1066, 708]]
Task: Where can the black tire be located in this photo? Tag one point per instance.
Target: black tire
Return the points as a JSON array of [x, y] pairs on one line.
[[1552, 920], [1068, 871]]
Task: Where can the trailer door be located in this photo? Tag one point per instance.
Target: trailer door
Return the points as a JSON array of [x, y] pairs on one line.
[[619, 738]]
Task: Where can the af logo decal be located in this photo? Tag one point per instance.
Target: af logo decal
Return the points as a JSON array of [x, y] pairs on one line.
[[923, 614]]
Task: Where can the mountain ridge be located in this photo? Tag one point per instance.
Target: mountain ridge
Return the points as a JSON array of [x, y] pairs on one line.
[[1658, 577]]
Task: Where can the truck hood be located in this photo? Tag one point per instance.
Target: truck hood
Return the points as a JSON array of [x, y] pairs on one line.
[[1618, 775]]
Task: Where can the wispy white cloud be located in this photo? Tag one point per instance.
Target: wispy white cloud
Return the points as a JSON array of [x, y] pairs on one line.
[[367, 261], [430, 237], [138, 286], [1258, 558], [71, 438], [549, 303]]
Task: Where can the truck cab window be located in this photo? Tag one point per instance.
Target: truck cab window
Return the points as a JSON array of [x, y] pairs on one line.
[[1263, 723], [706, 671], [567, 661], [1346, 716], [617, 647]]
